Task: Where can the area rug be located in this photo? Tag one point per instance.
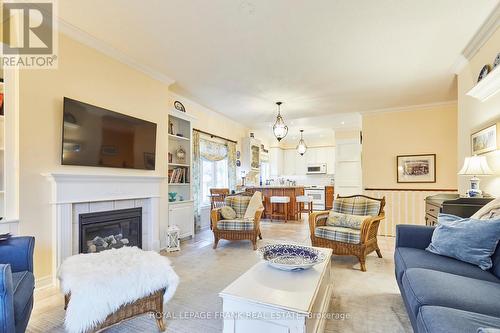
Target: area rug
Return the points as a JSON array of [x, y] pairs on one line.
[[362, 302]]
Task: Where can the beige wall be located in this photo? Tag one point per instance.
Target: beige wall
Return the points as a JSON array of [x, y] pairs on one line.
[[474, 115], [431, 130], [87, 75]]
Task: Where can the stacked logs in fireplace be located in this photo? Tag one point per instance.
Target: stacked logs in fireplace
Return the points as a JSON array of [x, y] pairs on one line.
[[99, 244], [107, 230]]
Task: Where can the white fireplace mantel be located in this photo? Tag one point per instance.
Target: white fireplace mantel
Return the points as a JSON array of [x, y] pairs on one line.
[[72, 188], [71, 191]]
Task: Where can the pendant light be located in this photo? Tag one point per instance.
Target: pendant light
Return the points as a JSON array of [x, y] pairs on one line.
[[301, 147], [280, 130]]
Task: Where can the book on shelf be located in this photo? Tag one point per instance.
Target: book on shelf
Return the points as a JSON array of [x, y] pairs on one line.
[[177, 176]]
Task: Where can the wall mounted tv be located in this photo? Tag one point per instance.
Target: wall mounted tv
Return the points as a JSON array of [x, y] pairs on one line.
[[93, 136]]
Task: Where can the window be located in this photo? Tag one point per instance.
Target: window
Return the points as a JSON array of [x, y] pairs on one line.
[[213, 174]]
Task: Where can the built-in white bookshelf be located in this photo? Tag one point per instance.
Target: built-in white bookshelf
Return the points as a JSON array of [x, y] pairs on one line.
[[180, 135]]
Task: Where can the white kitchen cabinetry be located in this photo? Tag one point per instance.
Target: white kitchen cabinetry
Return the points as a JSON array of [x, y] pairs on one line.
[[300, 164], [276, 160], [181, 213], [318, 155], [289, 163]]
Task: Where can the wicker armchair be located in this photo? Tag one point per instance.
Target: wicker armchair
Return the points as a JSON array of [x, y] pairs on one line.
[[355, 242], [239, 228], [217, 196]]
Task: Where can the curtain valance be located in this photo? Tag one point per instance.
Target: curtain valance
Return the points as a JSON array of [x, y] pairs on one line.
[[213, 151]]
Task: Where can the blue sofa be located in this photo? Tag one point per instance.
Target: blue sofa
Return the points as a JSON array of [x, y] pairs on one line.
[[17, 283], [442, 294]]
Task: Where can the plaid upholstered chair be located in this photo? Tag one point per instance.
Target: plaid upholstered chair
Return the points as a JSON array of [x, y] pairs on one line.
[[350, 228], [245, 224]]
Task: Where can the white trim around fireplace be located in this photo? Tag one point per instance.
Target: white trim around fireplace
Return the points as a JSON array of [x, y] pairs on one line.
[[72, 192]]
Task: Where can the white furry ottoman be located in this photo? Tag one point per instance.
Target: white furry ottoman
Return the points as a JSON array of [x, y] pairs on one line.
[[110, 286]]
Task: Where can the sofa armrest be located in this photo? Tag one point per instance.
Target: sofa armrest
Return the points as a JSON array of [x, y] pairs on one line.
[[18, 252], [7, 324], [415, 236]]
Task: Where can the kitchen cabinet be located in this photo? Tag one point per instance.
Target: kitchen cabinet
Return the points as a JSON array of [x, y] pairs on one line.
[[276, 160], [300, 164], [329, 196], [289, 163], [268, 191], [250, 154], [318, 155]]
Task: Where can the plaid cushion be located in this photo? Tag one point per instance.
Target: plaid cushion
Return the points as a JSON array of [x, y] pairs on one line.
[[239, 203], [339, 234], [356, 206], [235, 225]]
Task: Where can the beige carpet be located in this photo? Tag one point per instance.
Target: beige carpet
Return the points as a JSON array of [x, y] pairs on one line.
[[364, 302]]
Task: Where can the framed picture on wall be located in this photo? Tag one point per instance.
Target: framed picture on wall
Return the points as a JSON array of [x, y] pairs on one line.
[[416, 168], [485, 140]]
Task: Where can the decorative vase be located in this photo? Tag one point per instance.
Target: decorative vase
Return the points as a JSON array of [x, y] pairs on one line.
[[171, 196]]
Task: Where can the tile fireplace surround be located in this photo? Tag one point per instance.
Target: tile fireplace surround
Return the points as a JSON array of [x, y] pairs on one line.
[[74, 194]]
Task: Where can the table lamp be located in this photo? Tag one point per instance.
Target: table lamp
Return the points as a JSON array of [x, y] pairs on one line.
[[475, 166]]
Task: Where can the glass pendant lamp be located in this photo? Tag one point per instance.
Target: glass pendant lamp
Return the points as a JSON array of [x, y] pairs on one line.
[[301, 147], [280, 130]]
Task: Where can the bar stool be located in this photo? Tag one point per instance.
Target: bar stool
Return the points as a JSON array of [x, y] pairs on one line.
[[279, 200], [301, 207]]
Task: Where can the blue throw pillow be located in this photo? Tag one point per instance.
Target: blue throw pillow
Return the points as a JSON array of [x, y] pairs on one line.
[[470, 240]]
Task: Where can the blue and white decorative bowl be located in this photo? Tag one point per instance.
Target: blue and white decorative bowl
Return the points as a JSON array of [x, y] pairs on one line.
[[289, 257]]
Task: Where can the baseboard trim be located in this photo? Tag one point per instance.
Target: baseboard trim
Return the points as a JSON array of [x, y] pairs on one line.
[[44, 283]]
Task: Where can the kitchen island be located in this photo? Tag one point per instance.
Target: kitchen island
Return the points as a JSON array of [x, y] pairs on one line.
[[288, 191]]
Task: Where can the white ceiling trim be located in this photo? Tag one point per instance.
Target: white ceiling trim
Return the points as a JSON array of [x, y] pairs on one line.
[[459, 64], [484, 33], [412, 107], [97, 44]]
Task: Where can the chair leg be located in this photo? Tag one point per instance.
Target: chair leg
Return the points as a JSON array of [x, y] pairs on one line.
[[362, 262], [254, 242], [216, 241], [260, 235], [160, 323], [379, 253]]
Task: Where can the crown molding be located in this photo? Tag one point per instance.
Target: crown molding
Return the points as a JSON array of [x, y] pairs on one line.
[[85, 38], [411, 107], [484, 33], [459, 64]]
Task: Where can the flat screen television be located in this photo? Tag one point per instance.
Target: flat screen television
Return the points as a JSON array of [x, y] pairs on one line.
[[93, 136]]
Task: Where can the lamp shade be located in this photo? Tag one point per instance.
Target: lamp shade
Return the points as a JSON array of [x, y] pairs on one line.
[[475, 166]]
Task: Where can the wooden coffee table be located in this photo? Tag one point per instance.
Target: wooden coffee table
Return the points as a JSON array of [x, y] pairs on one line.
[[265, 299]]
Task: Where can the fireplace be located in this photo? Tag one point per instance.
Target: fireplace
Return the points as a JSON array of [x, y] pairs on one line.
[[110, 229]]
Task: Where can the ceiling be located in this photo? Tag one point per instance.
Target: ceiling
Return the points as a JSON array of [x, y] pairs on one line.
[[321, 58]]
